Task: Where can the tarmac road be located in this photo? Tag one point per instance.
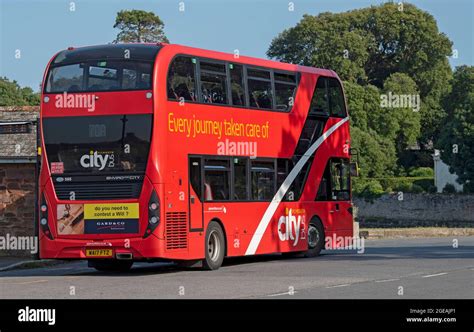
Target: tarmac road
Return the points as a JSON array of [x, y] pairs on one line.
[[401, 268]]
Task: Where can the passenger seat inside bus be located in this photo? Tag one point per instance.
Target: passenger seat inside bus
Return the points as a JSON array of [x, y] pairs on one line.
[[183, 92], [207, 192]]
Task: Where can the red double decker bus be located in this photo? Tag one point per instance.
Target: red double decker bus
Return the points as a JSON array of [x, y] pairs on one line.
[[165, 152]]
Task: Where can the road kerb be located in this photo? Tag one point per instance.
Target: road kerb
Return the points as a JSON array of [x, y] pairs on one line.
[[31, 264]]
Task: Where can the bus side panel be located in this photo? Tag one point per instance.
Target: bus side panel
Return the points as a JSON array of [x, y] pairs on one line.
[[289, 218]]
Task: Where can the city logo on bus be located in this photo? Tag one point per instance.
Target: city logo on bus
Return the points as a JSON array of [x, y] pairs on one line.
[[291, 226], [76, 100], [98, 160]]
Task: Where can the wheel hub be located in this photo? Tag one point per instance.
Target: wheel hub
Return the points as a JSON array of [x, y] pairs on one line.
[[313, 237], [214, 246]]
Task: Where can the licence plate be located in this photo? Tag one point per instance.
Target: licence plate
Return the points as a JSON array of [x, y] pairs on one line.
[[99, 252]]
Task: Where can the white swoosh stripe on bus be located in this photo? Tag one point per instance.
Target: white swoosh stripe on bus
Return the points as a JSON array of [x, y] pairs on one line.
[[257, 236]]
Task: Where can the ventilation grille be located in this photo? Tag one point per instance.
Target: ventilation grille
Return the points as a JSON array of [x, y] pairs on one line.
[[176, 230], [98, 191]]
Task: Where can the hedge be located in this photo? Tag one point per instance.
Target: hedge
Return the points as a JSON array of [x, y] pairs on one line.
[[373, 187]]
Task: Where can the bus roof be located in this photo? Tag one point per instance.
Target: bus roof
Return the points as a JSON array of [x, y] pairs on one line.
[[144, 52], [148, 52], [176, 48]]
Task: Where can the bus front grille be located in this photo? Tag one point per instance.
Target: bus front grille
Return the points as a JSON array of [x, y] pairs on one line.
[[98, 191], [176, 230]]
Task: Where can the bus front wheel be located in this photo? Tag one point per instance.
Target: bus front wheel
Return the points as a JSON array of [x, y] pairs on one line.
[[214, 247]]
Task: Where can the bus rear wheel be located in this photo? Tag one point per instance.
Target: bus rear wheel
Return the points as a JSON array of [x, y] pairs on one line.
[[315, 239], [214, 247], [110, 265]]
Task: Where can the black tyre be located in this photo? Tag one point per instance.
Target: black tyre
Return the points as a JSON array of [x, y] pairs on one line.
[[110, 265], [214, 247], [316, 239]]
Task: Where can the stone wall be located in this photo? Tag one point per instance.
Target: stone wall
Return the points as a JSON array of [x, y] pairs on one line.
[[416, 210], [22, 145], [17, 176], [17, 202]]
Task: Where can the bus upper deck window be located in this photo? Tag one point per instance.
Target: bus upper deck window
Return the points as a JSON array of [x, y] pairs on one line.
[[213, 83], [336, 98], [181, 82], [90, 76]]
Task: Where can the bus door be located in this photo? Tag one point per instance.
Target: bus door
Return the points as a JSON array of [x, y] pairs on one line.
[[195, 195], [341, 193], [334, 196]]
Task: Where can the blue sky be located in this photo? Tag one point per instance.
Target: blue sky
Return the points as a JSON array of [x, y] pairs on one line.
[[40, 28]]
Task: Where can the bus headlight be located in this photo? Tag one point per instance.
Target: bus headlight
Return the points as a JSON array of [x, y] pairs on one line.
[[153, 214]]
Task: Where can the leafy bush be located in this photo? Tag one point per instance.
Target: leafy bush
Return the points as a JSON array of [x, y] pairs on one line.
[[364, 186], [421, 172], [426, 184], [403, 184], [432, 189], [416, 189], [449, 189], [415, 158], [367, 188]]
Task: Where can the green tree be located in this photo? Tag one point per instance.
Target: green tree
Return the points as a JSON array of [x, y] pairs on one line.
[[11, 94], [327, 41], [457, 137], [432, 117], [139, 26], [377, 155], [369, 45], [370, 136], [404, 121], [363, 102]]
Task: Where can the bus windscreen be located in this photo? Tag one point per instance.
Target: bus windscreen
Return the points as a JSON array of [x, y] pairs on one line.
[[97, 144]]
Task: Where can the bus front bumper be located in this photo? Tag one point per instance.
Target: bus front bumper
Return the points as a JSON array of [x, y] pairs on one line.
[[139, 248]]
